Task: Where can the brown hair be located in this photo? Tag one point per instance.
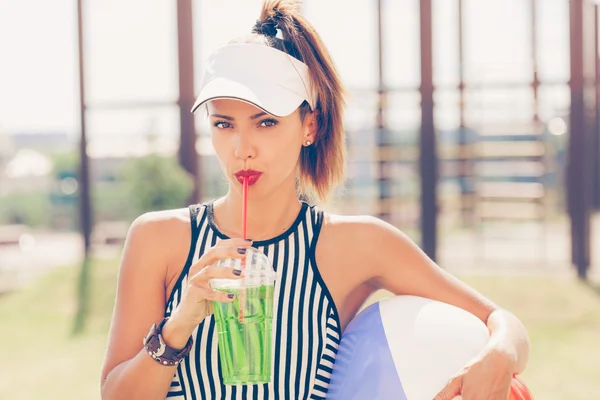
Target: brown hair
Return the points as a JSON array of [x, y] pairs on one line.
[[322, 164]]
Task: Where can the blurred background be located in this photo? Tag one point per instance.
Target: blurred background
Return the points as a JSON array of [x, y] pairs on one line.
[[473, 126]]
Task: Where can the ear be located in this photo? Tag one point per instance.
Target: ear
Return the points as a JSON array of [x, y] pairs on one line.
[[311, 127]]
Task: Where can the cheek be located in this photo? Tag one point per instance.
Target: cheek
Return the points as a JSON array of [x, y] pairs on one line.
[[287, 156], [216, 141], [222, 149], [286, 147], [291, 140], [222, 143]]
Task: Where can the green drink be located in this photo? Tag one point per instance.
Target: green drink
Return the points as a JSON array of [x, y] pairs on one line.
[[244, 326], [245, 346]]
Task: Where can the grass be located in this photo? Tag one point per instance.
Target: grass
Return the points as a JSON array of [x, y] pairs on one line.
[[42, 359]]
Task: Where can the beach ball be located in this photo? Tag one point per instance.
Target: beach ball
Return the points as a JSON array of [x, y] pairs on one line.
[[406, 348]]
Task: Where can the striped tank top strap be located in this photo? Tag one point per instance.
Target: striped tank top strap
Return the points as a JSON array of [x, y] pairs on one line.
[[195, 225], [328, 319], [316, 219]]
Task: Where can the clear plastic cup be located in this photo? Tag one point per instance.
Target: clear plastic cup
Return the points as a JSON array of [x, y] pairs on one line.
[[244, 326]]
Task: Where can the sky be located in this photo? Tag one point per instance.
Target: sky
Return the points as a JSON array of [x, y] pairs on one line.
[[131, 54]]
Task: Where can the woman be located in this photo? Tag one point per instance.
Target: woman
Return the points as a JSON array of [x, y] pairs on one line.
[[275, 101]]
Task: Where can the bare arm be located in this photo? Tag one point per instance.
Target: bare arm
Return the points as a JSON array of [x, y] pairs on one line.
[[128, 371], [400, 266]]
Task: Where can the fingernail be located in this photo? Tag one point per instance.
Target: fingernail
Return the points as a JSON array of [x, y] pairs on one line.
[[241, 250], [237, 272], [248, 240], [231, 295]]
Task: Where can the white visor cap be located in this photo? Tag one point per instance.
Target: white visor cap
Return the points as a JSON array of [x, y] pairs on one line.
[[260, 75]]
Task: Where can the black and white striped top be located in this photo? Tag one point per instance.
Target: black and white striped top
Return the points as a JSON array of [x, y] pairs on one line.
[[306, 328]]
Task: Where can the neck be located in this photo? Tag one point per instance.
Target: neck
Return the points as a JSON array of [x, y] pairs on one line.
[[268, 216]]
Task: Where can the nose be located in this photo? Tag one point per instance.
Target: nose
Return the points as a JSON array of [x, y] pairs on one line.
[[244, 148]]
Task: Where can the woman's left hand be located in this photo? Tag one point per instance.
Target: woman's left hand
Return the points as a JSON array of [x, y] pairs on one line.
[[487, 377]]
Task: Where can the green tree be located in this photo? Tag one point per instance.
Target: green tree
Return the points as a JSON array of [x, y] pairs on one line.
[[156, 183]]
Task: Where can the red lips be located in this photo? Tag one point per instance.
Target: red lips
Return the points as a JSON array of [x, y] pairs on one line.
[[252, 175]]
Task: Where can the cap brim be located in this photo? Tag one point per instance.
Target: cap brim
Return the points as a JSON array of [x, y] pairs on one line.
[[269, 97]]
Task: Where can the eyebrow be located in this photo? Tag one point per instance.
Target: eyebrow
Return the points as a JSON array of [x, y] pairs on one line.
[[228, 118]]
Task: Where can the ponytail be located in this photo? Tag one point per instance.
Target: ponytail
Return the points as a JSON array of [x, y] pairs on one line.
[[322, 164]]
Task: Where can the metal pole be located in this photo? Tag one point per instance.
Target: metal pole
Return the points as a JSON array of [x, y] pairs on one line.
[[534, 59], [464, 157], [85, 207], [428, 147], [188, 157], [382, 136], [535, 84], [596, 133], [578, 182]]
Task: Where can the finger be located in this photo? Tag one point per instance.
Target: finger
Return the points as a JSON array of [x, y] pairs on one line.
[[239, 242], [218, 253], [452, 389], [214, 295], [202, 277]]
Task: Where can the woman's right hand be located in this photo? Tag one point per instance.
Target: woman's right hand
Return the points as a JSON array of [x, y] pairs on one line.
[[197, 297]]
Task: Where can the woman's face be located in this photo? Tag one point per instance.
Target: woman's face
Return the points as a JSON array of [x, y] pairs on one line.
[[246, 139]]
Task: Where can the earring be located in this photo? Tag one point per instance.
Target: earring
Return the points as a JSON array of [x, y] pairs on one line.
[[308, 142]]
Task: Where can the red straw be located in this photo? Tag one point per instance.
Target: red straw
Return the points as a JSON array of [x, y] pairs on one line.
[[244, 225], [245, 207]]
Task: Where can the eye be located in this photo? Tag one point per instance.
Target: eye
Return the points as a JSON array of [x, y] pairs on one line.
[[268, 122], [222, 124]]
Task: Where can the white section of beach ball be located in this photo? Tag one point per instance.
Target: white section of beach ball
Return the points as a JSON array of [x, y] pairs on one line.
[[429, 341]]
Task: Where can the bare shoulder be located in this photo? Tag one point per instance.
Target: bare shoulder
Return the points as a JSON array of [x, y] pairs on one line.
[[164, 234], [365, 243], [351, 239], [162, 226], [344, 254], [163, 219], [355, 232]]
